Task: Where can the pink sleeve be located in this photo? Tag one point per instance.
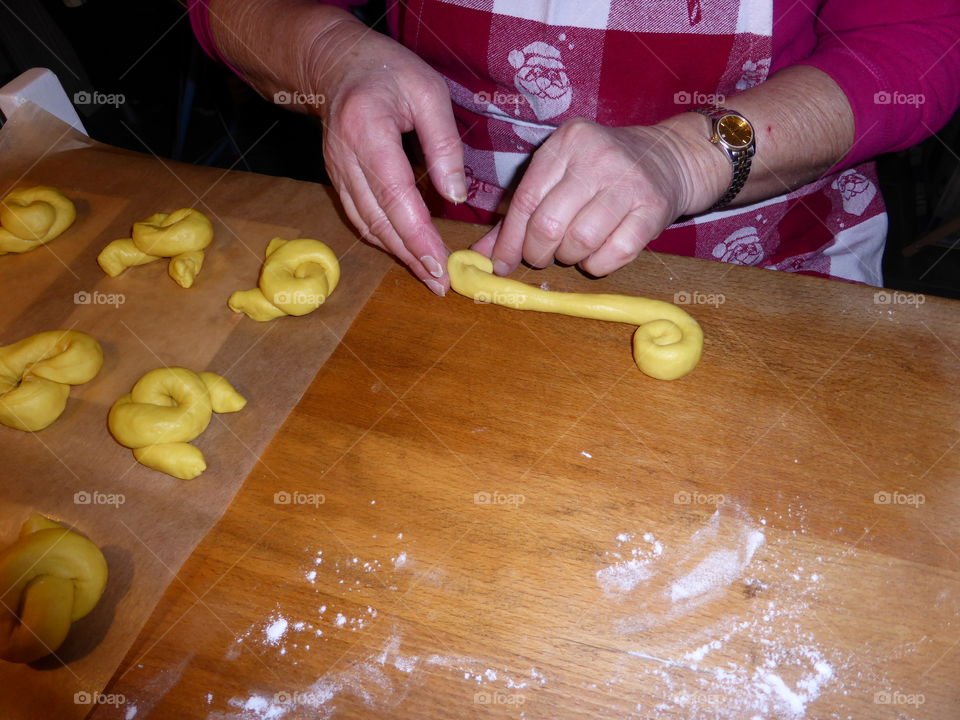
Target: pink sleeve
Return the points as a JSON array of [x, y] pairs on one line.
[[200, 22], [898, 63]]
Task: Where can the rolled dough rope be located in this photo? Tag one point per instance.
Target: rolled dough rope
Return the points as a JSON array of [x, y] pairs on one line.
[[50, 577], [181, 236], [36, 374], [297, 278], [666, 346], [167, 408], [30, 217]]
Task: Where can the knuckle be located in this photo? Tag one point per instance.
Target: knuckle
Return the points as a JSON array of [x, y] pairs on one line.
[[547, 226], [446, 146], [356, 101], [658, 206], [380, 227], [584, 237], [578, 127], [438, 86], [651, 224], [623, 249], [428, 90], [525, 201], [390, 194]]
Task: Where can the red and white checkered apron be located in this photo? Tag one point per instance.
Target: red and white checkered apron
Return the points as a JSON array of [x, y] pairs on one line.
[[517, 69]]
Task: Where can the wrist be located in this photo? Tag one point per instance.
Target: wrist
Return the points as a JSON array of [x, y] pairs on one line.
[[274, 45], [706, 173]]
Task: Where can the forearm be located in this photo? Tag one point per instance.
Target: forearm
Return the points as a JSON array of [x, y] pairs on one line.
[[266, 41], [803, 125]]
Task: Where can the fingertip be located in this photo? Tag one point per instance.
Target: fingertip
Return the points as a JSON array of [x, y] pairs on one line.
[[501, 268], [455, 187], [435, 287], [432, 266]]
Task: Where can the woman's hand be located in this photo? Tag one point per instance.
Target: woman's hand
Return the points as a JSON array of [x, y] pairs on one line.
[[368, 90], [376, 92], [596, 196]]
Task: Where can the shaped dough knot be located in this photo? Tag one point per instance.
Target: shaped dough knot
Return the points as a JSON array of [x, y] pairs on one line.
[[30, 217], [50, 577], [167, 408], [181, 236], [666, 346], [36, 374], [297, 278]]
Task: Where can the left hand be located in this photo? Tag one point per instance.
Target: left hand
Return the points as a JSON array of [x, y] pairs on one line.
[[596, 196]]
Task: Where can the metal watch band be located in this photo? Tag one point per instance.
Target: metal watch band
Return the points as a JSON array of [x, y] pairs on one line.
[[741, 170], [740, 160]]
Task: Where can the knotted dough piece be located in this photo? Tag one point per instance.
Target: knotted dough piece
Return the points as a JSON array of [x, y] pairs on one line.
[[167, 408], [36, 374], [50, 577], [297, 278], [30, 217], [181, 236], [666, 346]]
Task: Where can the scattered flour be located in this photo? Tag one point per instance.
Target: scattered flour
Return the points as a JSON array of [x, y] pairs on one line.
[[719, 568], [275, 631], [381, 680], [764, 661], [675, 582], [622, 577]]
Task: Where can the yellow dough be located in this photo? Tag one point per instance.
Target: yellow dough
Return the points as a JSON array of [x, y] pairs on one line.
[[297, 278], [50, 577], [181, 236], [30, 217], [36, 374], [666, 346], [167, 408]]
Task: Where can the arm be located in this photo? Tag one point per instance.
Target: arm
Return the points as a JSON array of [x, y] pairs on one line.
[[596, 195], [847, 102], [368, 90], [898, 64], [803, 124]]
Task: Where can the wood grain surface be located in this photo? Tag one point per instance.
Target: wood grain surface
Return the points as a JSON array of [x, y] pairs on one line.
[[479, 512]]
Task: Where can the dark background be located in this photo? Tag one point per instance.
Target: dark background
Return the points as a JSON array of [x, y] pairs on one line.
[[180, 104]]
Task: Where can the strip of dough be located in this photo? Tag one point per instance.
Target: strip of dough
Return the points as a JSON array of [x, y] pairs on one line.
[[667, 345]]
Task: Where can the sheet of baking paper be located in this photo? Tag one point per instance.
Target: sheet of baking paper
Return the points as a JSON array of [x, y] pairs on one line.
[[148, 523]]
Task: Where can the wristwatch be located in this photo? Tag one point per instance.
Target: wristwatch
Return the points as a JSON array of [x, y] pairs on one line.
[[733, 135]]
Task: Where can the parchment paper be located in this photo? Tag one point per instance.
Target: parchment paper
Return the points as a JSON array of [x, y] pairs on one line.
[[74, 471]]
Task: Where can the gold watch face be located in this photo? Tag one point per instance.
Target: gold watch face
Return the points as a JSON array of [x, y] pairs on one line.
[[735, 131]]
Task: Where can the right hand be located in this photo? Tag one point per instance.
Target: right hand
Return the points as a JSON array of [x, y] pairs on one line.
[[374, 90]]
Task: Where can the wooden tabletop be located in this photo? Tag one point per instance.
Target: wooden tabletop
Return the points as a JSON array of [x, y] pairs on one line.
[[480, 512]]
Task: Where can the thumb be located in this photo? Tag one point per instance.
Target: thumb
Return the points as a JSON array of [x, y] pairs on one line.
[[484, 245], [442, 148]]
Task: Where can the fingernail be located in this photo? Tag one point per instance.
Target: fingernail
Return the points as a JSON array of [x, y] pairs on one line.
[[432, 266], [435, 287], [500, 267], [455, 187]]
